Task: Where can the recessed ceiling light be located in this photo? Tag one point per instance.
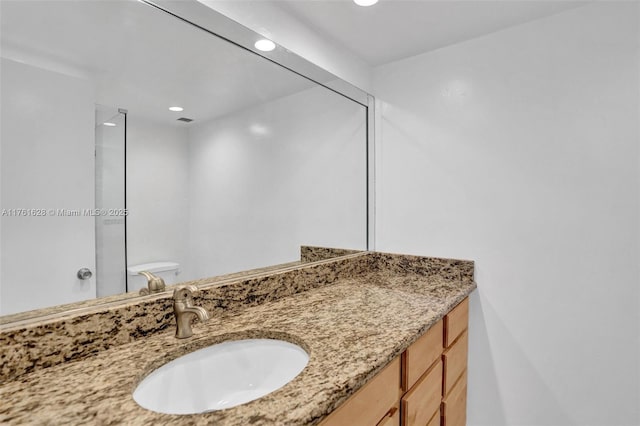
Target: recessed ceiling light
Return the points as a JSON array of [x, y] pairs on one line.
[[109, 124], [365, 2], [259, 129], [176, 109], [265, 45]]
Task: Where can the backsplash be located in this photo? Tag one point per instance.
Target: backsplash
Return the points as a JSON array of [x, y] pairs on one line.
[[452, 269], [314, 254]]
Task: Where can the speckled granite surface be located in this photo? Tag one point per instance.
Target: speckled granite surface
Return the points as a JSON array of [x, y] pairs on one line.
[[314, 254], [351, 325], [47, 342]]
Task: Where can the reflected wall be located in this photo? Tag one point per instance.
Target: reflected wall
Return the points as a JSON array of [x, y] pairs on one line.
[[268, 179]]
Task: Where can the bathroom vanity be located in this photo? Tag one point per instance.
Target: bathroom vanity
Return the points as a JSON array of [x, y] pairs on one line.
[[386, 337], [426, 385]]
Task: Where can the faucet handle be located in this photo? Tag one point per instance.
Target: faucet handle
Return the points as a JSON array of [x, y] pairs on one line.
[[184, 292]]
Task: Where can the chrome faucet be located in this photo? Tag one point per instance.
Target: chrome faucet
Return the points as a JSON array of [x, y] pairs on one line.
[[183, 307], [155, 284]]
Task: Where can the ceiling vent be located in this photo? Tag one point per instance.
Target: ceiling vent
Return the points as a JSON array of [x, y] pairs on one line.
[[185, 119]]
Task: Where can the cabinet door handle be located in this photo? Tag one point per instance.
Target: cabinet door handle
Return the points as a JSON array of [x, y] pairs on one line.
[[392, 411]]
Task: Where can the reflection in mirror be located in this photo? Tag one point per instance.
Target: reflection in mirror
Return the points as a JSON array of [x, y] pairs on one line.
[[110, 154], [98, 173]]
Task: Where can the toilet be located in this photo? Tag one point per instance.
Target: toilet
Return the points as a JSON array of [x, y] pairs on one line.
[[168, 271]]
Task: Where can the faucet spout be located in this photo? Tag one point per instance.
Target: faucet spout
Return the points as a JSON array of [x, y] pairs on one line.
[[199, 311], [183, 310]]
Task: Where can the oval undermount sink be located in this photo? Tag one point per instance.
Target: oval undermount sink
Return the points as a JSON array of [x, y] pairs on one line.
[[221, 376]]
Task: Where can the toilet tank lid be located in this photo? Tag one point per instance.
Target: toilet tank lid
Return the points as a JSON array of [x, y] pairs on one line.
[[153, 267]]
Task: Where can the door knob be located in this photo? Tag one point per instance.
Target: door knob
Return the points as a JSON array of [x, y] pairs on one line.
[[85, 273]]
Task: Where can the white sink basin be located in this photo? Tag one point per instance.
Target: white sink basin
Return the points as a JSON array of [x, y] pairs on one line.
[[221, 376]]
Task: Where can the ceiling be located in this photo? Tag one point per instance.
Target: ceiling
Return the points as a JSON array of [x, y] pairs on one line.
[[396, 29], [144, 60]]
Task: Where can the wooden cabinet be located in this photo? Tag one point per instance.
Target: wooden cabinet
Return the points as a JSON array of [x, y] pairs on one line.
[[454, 405], [422, 401], [421, 355], [435, 420], [425, 385], [454, 357], [372, 402], [392, 418], [455, 322], [455, 363]]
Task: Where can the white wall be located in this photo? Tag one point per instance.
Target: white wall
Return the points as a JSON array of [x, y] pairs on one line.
[[157, 194], [47, 137], [268, 179], [280, 26], [520, 150]]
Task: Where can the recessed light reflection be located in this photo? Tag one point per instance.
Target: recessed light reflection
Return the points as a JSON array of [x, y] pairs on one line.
[[265, 45], [109, 124], [259, 129], [365, 2], [176, 109]]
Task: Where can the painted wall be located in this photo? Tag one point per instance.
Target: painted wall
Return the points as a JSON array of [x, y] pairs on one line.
[[157, 194], [47, 137], [520, 150], [268, 179], [273, 22]]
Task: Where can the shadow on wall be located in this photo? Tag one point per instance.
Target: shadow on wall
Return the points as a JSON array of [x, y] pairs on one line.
[[540, 409]]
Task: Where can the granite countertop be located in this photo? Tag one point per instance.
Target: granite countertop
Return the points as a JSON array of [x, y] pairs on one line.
[[351, 329]]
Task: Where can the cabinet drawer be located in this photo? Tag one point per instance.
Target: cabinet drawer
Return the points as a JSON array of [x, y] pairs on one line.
[[392, 418], [421, 355], [423, 400], [455, 322], [372, 402], [454, 406], [455, 362]]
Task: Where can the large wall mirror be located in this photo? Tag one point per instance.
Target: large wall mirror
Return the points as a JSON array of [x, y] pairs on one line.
[[130, 136]]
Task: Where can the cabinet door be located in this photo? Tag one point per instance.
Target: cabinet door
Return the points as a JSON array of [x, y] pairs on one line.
[[423, 400], [455, 322], [454, 405], [372, 402], [422, 354], [455, 362]]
